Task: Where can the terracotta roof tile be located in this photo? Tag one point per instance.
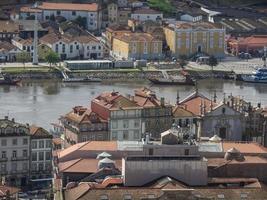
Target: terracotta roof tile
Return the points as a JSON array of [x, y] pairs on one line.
[[192, 103], [83, 166], [39, 132], [248, 148], [180, 111], [93, 7]]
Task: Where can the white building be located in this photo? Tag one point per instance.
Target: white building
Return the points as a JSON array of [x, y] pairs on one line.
[[41, 153], [123, 115], [70, 11], [191, 17], [82, 47], [145, 14]]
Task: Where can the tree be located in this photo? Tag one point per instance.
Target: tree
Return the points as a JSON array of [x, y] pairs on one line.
[[23, 57], [212, 62], [81, 21], [52, 58], [183, 60]]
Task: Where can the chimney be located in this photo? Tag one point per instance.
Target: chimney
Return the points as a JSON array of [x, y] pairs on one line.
[[215, 97], [162, 101], [177, 98], [6, 117]]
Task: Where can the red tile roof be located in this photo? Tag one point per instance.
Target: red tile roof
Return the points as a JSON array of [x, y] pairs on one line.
[[39, 132], [180, 111], [83, 166], [254, 40], [92, 7], [192, 103], [248, 148]]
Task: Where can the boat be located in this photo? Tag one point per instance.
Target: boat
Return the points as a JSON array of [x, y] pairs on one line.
[[183, 79], [81, 80], [258, 76], [7, 80]]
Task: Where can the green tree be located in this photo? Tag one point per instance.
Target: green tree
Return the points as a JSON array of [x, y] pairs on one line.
[[212, 62], [81, 21], [183, 60], [23, 57], [52, 58]]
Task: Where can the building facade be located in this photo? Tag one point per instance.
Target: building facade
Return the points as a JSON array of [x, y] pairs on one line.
[[68, 47], [81, 124], [15, 152], [156, 114], [41, 156], [122, 114], [145, 14], [136, 46], [185, 38]]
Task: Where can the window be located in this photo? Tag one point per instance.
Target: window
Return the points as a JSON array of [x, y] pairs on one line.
[[46, 17], [223, 110], [74, 13], [41, 166], [114, 124], [14, 166], [63, 48], [47, 166], [34, 166], [127, 197], [186, 152], [3, 142], [34, 144], [14, 154], [3, 167], [34, 156], [25, 141], [114, 135], [150, 152], [104, 197], [77, 47], [94, 47], [25, 153], [211, 42], [136, 123], [3, 154], [48, 155], [48, 143], [99, 47], [25, 166], [14, 141], [145, 48], [125, 124], [71, 48], [179, 44], [187, 43], [125, 135], [58, 12], [41, 144], [56, 47], [41, 155], [136, 135]]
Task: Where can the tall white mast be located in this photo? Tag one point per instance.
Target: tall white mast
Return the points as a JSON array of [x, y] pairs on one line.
[[35, 39]]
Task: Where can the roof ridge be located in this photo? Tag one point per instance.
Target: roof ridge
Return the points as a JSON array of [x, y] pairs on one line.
[[78, 160]]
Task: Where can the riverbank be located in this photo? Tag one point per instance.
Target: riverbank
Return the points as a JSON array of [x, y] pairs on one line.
[[131, 74]]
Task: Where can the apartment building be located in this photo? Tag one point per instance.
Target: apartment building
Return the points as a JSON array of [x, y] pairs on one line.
[[41, 153], [145, 14], [15, 151], [122, 114], [188, 38], [81, 124]]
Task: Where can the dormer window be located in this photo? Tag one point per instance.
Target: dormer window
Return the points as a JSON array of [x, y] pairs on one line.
[[58, 12]]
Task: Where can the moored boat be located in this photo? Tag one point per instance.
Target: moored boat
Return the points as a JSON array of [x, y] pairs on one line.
[[7, 80]]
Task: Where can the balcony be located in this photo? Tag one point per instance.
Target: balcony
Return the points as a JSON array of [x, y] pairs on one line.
[[19, 158], [3, 159]]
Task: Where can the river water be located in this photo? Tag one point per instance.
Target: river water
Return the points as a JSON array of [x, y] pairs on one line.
[[43, 102]]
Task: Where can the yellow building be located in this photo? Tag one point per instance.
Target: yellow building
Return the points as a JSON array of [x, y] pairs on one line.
[[136, 46], [185, 38]]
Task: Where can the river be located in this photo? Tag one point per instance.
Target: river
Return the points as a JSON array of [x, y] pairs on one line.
[[43, 102]]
